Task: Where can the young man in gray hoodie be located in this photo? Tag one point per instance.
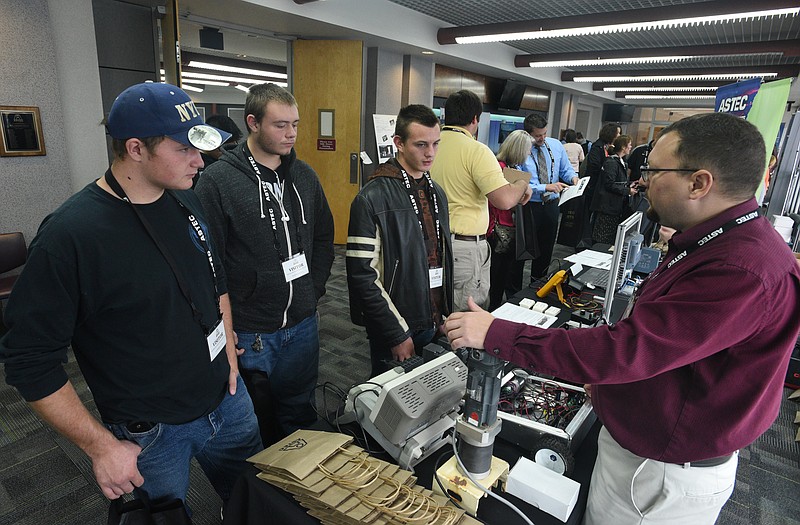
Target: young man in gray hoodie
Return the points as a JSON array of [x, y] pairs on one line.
[[272, 223]]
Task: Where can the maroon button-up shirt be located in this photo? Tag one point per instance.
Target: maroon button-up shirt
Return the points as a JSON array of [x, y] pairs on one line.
[[697, 369]]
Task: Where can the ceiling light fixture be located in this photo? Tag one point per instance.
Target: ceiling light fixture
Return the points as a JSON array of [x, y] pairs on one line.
[[685, 74], [670, 97], [233, 69], [662, 78], [240, 87], [621, 89], [612, 61], [538, 27], [184, 78], [703, 84], [225, 78], [187, 87], [767, 49], [636, 19]]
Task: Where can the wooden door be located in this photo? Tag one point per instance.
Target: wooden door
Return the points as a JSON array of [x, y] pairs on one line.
[[327, 85]]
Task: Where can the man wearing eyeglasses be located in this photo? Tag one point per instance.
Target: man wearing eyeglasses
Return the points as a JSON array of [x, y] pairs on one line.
[[695, 372]]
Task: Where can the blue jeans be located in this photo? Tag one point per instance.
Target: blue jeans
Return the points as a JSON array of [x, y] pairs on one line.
[[220, 441], [290, 358], [380, 353]]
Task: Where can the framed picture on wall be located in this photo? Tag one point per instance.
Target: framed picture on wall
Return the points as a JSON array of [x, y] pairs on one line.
[[21, 131]]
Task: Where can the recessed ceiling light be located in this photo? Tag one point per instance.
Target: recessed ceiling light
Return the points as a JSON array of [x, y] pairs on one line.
[[427, 52]]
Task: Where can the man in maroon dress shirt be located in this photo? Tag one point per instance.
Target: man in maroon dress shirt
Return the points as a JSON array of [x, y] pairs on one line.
[[695, 372]]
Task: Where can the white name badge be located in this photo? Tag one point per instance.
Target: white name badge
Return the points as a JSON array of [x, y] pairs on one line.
[[435, 276], [216, 340], [294, 267]]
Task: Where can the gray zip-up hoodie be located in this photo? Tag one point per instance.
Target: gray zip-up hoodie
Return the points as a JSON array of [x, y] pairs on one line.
[[239, 217]]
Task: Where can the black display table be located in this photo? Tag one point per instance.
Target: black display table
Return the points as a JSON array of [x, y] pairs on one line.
[[256, 502]]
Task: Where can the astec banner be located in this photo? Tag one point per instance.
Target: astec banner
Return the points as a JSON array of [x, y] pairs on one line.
[[765, 113], [737, 99]]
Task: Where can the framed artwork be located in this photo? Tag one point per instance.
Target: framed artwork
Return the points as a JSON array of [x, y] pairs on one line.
[[21, 131]]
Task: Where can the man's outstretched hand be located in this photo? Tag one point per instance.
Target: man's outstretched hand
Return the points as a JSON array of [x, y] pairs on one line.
[[468, 329]]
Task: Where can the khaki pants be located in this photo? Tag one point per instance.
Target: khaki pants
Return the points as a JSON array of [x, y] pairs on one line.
[[471, 273], [627, 489]]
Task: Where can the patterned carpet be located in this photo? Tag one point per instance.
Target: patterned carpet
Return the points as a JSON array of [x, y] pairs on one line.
[[45, 480]]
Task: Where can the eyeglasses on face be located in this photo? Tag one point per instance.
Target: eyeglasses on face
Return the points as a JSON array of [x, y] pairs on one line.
[[647, 172]]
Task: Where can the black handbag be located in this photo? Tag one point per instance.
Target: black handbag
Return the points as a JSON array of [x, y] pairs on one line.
[[502, 238], [138, 512], [571, 226], [527, 244]]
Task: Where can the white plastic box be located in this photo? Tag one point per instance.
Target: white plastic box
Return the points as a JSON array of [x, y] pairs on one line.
[[543, 488]]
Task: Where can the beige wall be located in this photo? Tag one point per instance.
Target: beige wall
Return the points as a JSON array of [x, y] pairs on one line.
[[44, 64]]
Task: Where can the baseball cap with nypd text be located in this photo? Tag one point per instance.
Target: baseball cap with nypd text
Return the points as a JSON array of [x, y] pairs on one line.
[[152, 109]]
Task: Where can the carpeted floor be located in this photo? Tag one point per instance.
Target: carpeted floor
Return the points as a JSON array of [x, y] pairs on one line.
[[45, 480]]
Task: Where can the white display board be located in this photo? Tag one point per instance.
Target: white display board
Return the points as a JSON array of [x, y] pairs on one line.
[[384, 131]]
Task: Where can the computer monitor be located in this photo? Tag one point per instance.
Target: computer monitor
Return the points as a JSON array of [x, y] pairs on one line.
[[627, 245], [618, 113], [513, 93]]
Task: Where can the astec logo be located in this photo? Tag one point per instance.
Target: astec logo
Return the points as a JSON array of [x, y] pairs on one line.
[[295, 444]]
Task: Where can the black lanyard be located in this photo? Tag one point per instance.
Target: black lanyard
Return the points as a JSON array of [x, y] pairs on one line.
[[417, 210], [459, 130], [552, 161], [718, 232], [268, 197], [115, 186]]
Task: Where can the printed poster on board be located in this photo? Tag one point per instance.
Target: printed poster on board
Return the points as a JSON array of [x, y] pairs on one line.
[[384, 131]]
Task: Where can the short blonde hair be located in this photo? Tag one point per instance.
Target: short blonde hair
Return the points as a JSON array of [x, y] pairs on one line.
[[516, 148]]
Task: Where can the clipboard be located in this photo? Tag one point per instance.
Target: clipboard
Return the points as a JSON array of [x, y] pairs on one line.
[[513, 175]]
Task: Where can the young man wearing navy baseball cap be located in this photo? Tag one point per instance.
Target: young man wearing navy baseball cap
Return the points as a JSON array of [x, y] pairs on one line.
[[125, 272]]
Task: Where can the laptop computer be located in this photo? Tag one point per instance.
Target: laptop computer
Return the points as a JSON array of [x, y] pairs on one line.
[[592, 277]]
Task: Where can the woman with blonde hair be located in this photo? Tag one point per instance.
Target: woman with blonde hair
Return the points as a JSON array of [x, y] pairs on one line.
[[506, 271]]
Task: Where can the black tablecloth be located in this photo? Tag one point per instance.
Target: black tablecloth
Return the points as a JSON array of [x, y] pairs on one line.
[[256, 502]]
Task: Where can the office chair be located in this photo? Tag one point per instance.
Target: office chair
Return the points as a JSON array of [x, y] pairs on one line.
[[13, 253], [795, 231]]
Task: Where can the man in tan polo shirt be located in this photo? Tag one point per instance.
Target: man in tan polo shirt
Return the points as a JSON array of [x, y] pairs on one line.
[[470, 175]]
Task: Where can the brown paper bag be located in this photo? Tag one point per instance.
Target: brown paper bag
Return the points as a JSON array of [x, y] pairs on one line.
[[300, 453]]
